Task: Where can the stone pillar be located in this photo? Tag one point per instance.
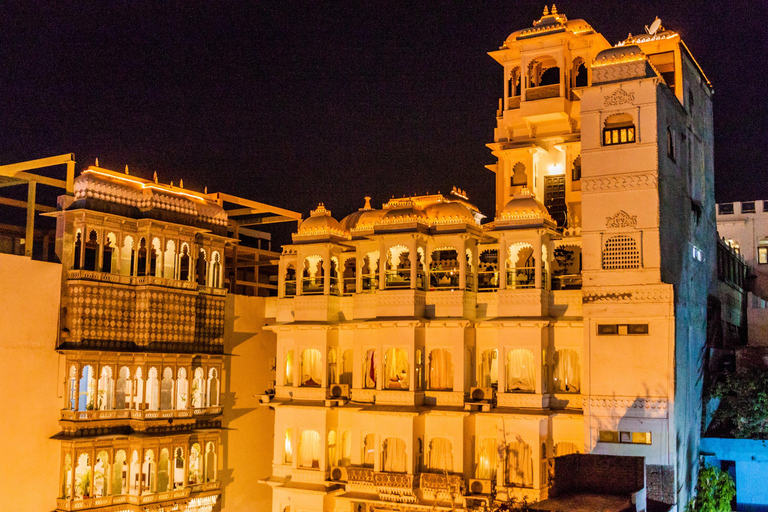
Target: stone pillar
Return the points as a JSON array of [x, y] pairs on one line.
[[461, 251]]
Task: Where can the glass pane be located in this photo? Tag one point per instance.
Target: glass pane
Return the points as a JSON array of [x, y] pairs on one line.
[[623, 134], [615, 134], [607, 135], [630, 135], [641, 437]]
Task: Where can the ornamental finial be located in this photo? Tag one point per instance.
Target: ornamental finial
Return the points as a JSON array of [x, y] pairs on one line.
[[546, 11], [126, 169], [97, 162], [367, 203], [181, 183], [155, 176], [554, 9]]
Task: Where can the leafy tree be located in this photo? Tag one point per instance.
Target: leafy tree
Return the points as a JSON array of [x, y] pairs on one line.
[[564, 258], [743, 410], [714, 491]]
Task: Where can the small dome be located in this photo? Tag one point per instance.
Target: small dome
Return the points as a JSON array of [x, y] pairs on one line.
[[320, 222], [524, 206], [365, 216], [449, 211], [618, 54], [406, 214]]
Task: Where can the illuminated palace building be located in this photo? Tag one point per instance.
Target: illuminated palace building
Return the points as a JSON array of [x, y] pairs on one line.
[[426, 359]]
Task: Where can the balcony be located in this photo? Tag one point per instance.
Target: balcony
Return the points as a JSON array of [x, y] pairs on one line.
[[193, 491], [542, 92], [92, 275], [441, 487], [396, 487], [131, 414], [513, 102]]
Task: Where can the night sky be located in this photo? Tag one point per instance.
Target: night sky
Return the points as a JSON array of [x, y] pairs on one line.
[[293, 103]]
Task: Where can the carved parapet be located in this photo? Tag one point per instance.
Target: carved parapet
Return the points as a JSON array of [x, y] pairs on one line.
[[445, 398], [627, 406], [441, 487], [398, 487], [522, 400], [394, 397], [361, 477], [363, 395], [542, 92]]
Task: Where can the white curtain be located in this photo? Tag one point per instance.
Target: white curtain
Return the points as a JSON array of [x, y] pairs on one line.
[[346, 448], [396, 368], [333, 449], [369, 450], [521, 374], [440, 370], [333, 367], [487, 459], [289, 368], [309, 449], [566, 448], [369, 369], [489, 368], [311, 367], [567, 371], [346, 367], [519, 464], [440, 455], [395, 458]]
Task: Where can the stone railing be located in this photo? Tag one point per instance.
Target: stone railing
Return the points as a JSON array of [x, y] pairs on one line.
[[441, 486], [542, 92], [133, 499], [130, 414], [360, 476], [513, 102], [92, 275], [397, 487]]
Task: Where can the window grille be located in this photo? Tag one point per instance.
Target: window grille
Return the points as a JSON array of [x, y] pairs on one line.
[[620, 252], [748, 207], [725, 208]]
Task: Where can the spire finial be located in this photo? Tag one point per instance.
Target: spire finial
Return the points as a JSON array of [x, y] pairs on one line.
[[367, 203], [546, 11], [181, 183], [554, 9], [155, 176], [126, 169], [171, 184], [206, 190], [97, 162]]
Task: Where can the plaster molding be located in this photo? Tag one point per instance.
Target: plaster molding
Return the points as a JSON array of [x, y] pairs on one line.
[[620, 96], [636, 181], [528, 400], [660, 293], [621, 220], [627, 406]]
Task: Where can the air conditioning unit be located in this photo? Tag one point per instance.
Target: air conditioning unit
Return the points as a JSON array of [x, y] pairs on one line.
[[482, 394], [480, 486], [338, 474], [339, 391]]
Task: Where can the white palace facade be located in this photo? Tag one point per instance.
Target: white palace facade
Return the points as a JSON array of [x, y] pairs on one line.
[[426, 359]]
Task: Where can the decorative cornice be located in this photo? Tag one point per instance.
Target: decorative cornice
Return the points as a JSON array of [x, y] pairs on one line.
[[622, 182], [660, 293]]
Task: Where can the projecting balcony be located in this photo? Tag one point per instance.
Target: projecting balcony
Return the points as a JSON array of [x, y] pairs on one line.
[[440, 486], [542, 92], [203, 491], [513, 102], [104, 277], [131, 414]]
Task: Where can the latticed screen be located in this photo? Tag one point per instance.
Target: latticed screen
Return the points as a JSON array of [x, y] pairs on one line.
[[620, 252]]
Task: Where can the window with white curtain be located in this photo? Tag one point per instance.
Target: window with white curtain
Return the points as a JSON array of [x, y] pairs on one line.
[[488, 374], [369, 450], [521, 375], [333, 449], [440, 370], [519, 464], [288, 446], [311, 367], [289, 368], [565, 448], [394, 457], [346, 367], [487, 457], [333, 367], [369, 369], [440, 455], [567, 371], [396, 369], [345, 448], [309, 449]]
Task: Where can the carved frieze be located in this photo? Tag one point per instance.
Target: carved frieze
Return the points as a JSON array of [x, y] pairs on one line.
[[621, 220], [623, 182], [661, 294], [619, 97]]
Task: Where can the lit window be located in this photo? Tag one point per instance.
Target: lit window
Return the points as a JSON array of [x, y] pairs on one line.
[[762, 255], [621, 329], [748, 207], [725, 209], [613, 436], [618, 135]]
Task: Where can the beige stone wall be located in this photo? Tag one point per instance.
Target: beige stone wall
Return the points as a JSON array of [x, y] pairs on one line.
[[247, 438], [30, 380]]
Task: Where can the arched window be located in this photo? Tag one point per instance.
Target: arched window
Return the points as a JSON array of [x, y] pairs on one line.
[[83, 477], [154, 253], [350, 276], [444, 269], [309, 449], [101, 475], [87, 389], [109, 254], [153, 390], [289, 364], [521, 374], [135, 473], [166, 390], [141, 258], [178, 468], [369, 369], [195, 465], [66, 478], [91, 256], [519, 464], [369, 450], [290, 280], [370, 271], [333, 367], [120, 474], [519, 177], [198, 387], [521, 266], [201, 267], [311, 367], [580, 77], [440, 455], [346, 448], [419, 370], [184, 263], [567, 371], [212, 400], [313, 276], [396, 369], [164, 471], [488, 371], [78, 249], [346, 367], [181, 389], [513, 82], [127, 256], [106, 396], [138, 386], [440, 370], [620, 252], [73, 395], [148, 482], [487, 457], [394, 455], [488, 270], [619, 129], [169, 260], [210, 462], [543, 71], [398, 273], [288, 446], [216, 270]]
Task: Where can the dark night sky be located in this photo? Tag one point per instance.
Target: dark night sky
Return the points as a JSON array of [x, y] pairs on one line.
[[293, 103]]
